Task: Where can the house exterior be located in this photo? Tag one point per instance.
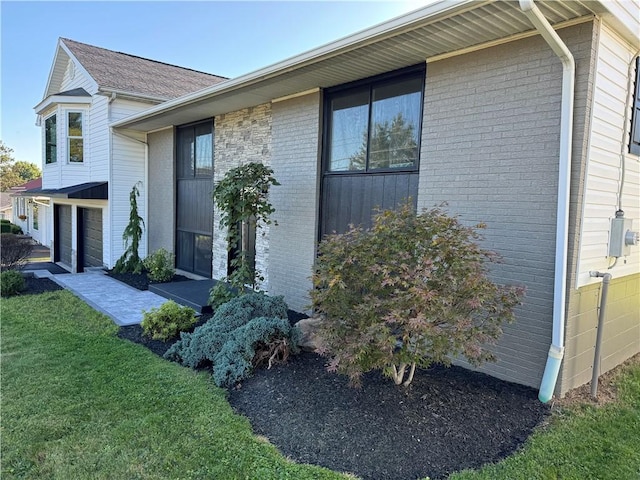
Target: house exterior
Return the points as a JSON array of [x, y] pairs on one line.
[[31, 212], [523, 116], [6, 206], [88, 171]]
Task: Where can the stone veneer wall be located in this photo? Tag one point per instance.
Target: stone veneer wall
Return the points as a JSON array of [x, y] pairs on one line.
[[241, 137]]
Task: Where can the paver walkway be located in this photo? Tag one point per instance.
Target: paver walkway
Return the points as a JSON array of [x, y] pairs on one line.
[[124, 304]]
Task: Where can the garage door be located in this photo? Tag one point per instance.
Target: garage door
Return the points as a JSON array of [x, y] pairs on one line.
[[90, 237], [62, 232]]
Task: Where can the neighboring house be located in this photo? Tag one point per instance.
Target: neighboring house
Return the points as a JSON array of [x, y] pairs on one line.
[[32, 211], [88, 172], [6, 206], [485, 118]]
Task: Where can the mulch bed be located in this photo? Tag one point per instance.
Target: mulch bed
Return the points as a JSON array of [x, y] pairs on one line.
[[140, 280], [39, 285], [449, 419]]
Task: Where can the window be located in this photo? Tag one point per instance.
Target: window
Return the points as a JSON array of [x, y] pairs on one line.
[[375, 126], [634, 141], [74, 135], [35, 216], [50, 132], [195, 150]]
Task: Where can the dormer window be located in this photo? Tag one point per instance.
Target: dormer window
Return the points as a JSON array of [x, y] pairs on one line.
[[74, 136], [51, 144]]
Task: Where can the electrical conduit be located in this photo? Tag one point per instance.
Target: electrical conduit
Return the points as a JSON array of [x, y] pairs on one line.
[[556, 350], [606, 278]]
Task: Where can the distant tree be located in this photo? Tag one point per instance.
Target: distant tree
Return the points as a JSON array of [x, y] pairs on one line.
[[392, 144], [14, 173]]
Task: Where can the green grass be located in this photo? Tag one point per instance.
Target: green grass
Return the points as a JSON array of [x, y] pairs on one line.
[[79, 403], [583, 442]]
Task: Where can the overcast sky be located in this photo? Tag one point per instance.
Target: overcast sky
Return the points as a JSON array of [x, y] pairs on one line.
[[225, 38]]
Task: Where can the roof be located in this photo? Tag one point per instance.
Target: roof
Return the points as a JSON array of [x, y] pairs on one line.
[[126, 74], [89, 190], [35, 183], [442, 29]]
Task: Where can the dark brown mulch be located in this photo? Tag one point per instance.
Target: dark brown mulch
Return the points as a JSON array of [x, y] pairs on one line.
[[134, 334], [449, 419], [140, 280], [39, 285]]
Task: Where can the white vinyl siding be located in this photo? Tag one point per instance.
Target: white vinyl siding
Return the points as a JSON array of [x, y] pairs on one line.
[[604, 172], [127, 168], [74, 77]]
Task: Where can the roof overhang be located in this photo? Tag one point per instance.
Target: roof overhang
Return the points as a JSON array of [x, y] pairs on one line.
[[59, 98], [445, 28], [83, 191]]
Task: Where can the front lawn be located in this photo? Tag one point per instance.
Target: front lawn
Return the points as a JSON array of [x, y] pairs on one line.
[[79, 403]]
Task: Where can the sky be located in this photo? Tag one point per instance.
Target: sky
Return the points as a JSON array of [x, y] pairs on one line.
[[225, 38]]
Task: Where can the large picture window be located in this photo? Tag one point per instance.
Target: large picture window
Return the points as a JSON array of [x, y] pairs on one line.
[[375, 126], [75, 144], [50, 134]]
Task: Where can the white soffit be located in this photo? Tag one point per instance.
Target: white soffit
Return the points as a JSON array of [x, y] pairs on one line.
[[439, 29]]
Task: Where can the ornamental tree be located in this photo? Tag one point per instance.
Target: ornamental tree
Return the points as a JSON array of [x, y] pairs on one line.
[[410, 291]]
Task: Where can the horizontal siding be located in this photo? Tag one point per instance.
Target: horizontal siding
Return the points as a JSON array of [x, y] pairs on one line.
[[98, 138], [604, 163], [75, 77], [123, 108], [128, 158], [621, 331]]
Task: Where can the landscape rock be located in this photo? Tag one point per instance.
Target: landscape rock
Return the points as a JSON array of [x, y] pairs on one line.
[[308, 327]]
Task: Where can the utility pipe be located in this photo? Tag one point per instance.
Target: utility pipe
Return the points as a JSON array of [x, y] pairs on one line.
[[556, 350], [606, 278]]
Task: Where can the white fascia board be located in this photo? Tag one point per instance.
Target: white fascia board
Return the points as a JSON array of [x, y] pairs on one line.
[[364, 37], [57, 99]]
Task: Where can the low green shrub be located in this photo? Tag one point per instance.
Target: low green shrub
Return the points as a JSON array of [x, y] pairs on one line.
[[167, 321], [11, 283], [239, 336], [7, 227], [14, 251], [160, 266], [5, 220]]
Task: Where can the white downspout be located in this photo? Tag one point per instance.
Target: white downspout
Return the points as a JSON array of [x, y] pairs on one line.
[[556, 350]]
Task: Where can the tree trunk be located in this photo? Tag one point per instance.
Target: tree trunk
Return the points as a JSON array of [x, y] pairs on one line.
[[411, 372]]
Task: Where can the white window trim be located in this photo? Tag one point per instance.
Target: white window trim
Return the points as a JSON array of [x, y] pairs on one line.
[[69, 137], [57, 139]]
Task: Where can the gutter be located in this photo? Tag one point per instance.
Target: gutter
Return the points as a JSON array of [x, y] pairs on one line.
[[432, 12], [556, 350]]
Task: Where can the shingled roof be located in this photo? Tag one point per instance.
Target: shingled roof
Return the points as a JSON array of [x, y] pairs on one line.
[[128, 73]]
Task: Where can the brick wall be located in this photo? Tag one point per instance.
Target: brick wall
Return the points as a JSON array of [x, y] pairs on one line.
[[241, 137], [162, 184], [296, 130], [490, 146]]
